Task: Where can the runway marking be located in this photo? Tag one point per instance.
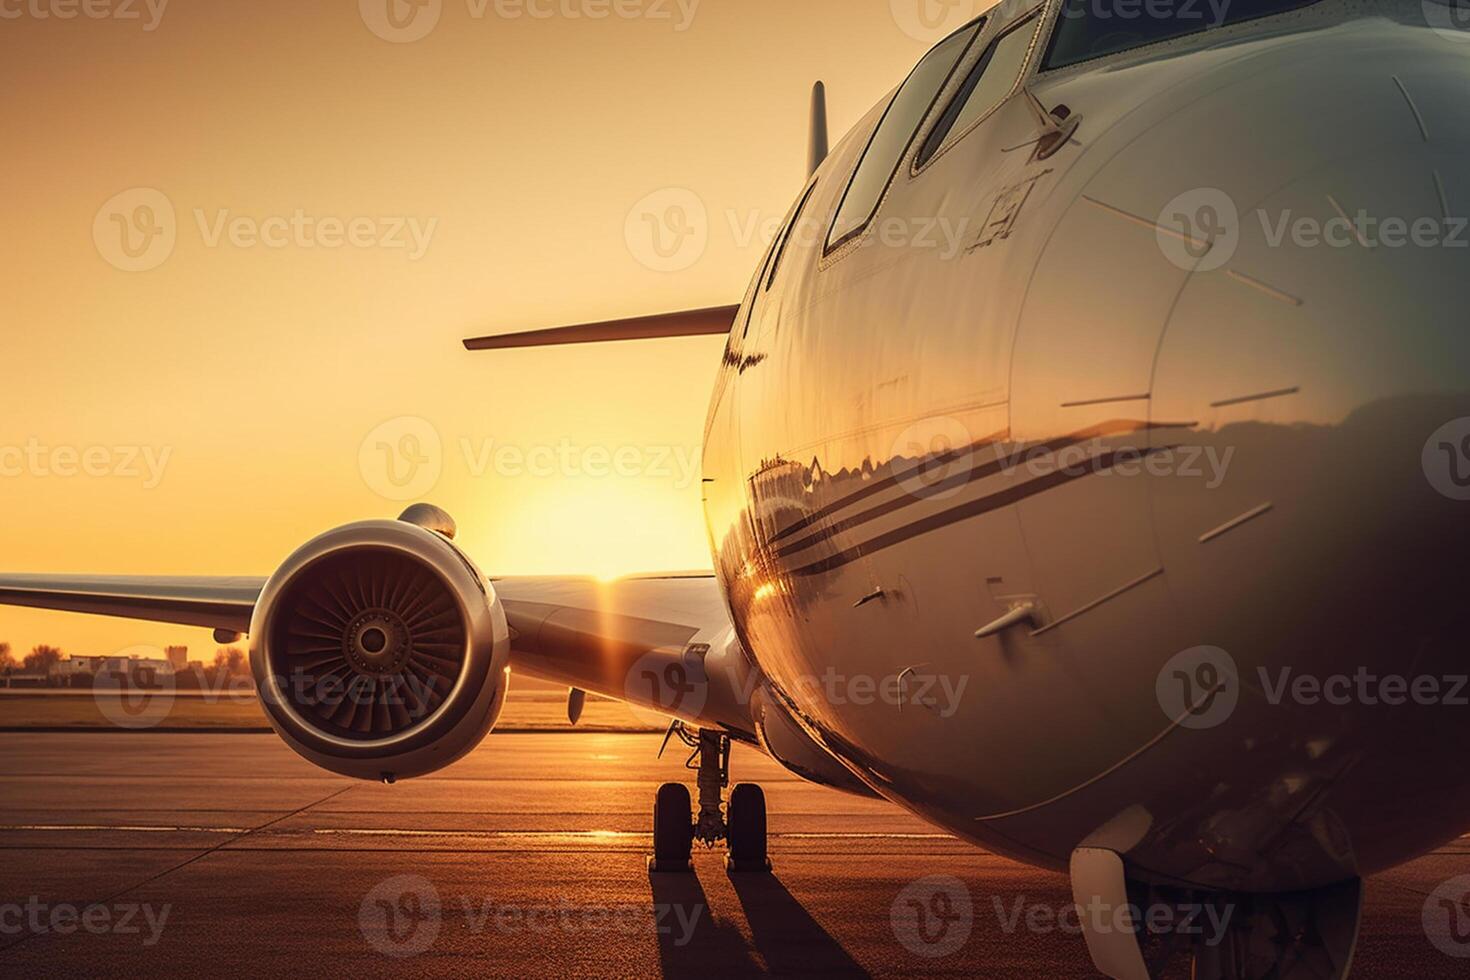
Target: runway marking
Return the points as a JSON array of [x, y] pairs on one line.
[[123, 829], [213, 849], [585, 835], [600, 834]]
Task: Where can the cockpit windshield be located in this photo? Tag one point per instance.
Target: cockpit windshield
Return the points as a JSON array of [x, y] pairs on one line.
[[1089, 29]]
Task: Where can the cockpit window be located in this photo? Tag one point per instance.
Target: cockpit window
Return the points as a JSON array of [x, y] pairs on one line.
[[1089, 29], [991, 82], [790, 230], [895, 134]]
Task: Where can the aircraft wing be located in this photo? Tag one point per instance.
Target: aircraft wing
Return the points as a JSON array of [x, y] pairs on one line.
[[213, 603], [642, 640], [659, 641], [712, 322]]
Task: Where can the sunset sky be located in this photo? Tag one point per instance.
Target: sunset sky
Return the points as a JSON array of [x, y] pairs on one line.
[[318, 205]]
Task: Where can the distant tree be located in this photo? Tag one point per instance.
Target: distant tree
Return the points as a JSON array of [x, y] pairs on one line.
[[231, 662], [42, 659], [7, 662]]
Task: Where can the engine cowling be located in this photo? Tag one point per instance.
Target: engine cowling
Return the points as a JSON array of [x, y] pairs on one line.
[[380, 651]]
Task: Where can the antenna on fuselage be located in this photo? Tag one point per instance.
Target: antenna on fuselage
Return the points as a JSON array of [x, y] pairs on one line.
[[817, 145]]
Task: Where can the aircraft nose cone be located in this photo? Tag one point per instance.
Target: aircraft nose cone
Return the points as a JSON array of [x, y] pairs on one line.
[[1320, 348]]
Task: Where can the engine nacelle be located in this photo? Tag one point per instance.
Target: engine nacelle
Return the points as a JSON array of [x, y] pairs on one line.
[[380, 651]]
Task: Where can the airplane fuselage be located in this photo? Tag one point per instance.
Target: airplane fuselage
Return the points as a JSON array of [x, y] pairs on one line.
[[1038, 384]]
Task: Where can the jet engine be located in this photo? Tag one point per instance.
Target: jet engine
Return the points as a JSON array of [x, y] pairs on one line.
[[380, 651]]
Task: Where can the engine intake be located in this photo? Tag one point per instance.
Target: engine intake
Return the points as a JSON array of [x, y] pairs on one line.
[[380, 651]]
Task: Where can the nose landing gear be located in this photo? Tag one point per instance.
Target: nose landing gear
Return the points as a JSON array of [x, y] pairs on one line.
[[741, 823]]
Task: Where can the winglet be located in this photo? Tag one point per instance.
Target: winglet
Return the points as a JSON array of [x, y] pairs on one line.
[[692, 323]]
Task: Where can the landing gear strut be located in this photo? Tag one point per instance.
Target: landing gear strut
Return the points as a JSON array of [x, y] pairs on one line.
[[741, 824]]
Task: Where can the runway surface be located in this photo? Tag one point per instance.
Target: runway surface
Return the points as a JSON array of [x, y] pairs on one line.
[[225, 854]]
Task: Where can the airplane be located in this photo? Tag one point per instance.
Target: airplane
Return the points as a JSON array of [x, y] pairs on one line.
[[966, 558]]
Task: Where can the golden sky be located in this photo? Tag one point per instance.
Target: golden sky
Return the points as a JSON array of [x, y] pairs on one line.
[[319, 203]]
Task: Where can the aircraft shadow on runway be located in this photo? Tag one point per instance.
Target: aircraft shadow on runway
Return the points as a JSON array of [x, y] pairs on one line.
[[787, 938]]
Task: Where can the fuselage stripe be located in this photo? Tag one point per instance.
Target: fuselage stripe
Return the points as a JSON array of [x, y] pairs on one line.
[[974, 508], [978, 471]]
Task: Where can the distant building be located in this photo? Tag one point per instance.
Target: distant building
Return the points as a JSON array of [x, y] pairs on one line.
[[76, 666], [142, 671], [139, 671], [179, 657]]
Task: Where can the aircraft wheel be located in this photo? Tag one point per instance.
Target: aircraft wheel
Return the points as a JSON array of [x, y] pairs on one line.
[[673, 829], [746, 829]]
